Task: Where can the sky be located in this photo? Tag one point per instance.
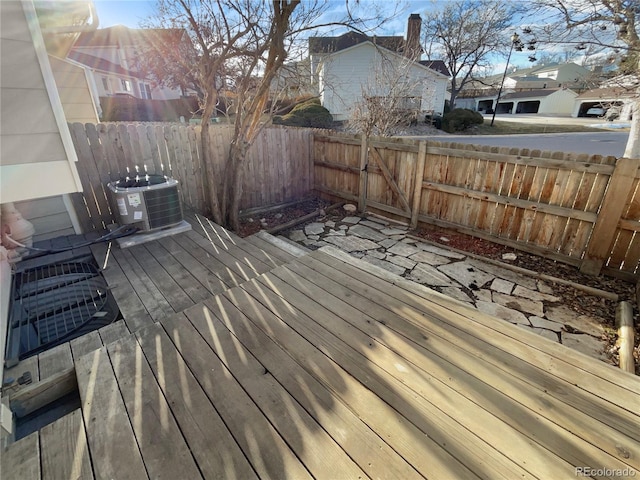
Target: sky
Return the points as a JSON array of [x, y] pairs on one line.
[[131, 12]]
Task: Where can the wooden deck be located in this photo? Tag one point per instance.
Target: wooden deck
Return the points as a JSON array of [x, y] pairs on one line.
[[236, 359]]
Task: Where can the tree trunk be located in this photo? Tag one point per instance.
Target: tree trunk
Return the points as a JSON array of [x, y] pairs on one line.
[[632, 149], [232, 189], [211, 182]]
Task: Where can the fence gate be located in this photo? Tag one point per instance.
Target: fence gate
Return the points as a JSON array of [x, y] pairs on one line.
[[391, 177]]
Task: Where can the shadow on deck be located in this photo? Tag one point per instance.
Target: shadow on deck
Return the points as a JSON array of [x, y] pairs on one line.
[[239, 359]]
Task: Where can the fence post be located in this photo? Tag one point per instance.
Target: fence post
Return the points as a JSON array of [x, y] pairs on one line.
[[417, 184], [611, 211], [364, 160]]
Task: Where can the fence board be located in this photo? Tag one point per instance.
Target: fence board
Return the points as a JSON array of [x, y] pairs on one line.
[[543, 202], [107, 152]]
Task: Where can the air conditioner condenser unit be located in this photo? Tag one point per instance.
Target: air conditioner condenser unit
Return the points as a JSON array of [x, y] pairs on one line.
[[150, 202]]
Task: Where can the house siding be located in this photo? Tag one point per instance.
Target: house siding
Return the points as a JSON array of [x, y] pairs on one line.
[[34, 162], [49, 217], [74, 91], [346, 74]]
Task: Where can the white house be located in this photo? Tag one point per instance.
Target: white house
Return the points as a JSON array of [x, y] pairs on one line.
[[111, 55], [346, 68], [481, 95], [368, 69]]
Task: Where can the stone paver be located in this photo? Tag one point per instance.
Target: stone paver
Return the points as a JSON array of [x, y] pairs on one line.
[[466, 274], [457, 293], [389, 242], [582, 323], [519, 303], [351, 243], [314, 229], [403, 249], [369, 223], [539, 322], [584, 343], [401, 261], [521, 291], [484, 295], [428, 275], [439, 251], [504, 273], [392, 231], [384, 264], [516, 298], [551, 335], [367, 232], [502, 286], [430, 258], [297, 236], [508, 314]]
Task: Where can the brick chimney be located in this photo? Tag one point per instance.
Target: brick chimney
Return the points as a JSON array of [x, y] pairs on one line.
[[412, 43]]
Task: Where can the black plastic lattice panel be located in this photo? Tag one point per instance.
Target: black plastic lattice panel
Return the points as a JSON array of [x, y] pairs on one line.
[[53, 304]]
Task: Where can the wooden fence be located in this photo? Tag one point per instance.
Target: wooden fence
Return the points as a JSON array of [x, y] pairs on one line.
[[279, 167], [579, 209]]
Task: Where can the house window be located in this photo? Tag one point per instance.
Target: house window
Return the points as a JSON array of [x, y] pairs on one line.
[[145, 90], [105, 83], [126, 85]]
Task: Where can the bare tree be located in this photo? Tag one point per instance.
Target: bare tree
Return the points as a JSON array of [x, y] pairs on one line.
[[604, 23], [467, 34], [392, 97], [237, 48]]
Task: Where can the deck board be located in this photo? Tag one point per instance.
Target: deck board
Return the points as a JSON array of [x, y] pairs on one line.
[[533, 414], [113, 446], [346, 427], [450, 361], [268, 453], [69, 458], [164, 452], [214, 448], [263, 364], [310, 442]]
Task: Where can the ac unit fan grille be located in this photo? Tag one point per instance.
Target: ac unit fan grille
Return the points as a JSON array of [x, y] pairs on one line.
[[163, 207]]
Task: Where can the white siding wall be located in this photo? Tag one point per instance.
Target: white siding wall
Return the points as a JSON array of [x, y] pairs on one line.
[[74, 91], [49, 217], [345, 75], [36, 155], [558, 103]]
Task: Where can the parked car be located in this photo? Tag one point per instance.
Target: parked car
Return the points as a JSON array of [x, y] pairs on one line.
[[596, 112]]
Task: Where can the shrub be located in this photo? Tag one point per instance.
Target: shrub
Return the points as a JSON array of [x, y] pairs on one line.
[[307, 114], [460, 119]]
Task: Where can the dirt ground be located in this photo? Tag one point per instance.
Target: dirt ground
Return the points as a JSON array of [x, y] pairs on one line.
[[575, 299]]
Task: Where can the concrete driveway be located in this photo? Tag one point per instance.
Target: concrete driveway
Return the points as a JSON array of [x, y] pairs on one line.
[[605, 142], [597, 143]]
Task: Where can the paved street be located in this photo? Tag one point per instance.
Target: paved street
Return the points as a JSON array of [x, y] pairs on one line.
[[598, 143]]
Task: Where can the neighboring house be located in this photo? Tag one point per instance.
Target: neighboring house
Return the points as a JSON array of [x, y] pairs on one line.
[[112, 54], [351, 66], [293, 80], [481, 94]]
